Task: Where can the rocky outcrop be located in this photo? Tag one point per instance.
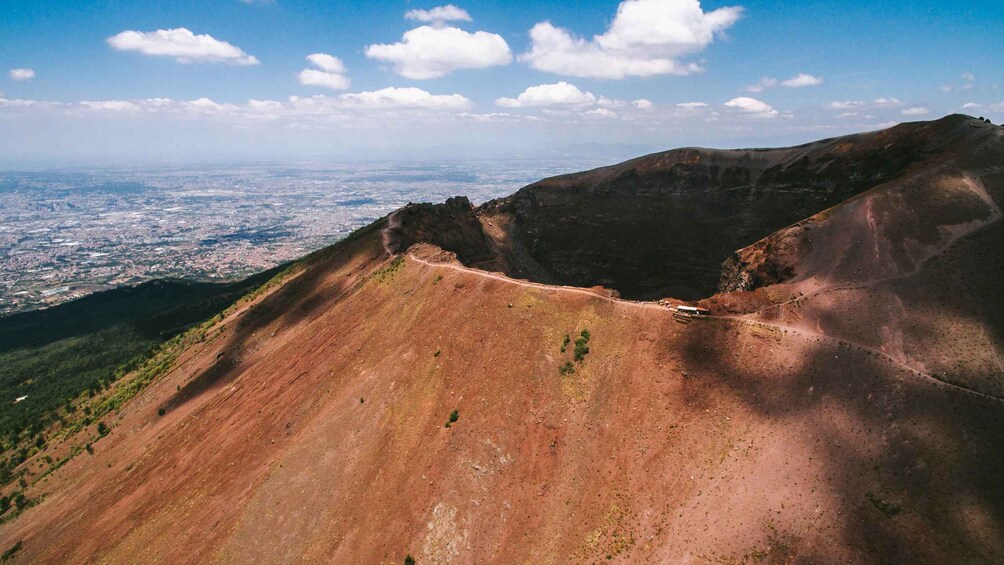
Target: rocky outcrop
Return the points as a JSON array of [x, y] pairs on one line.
[[453, 226]]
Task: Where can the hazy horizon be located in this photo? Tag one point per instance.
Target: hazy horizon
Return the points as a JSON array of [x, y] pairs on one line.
[[299, 81]]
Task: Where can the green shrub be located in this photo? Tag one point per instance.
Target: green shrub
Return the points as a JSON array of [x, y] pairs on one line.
[[161, 412], [581, 346], [102, 429], [565, 342], [9, 554], [408, 560], [566, 369], [454, 416]]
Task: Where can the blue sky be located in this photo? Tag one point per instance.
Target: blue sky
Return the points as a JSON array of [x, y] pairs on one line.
[[93, 80]]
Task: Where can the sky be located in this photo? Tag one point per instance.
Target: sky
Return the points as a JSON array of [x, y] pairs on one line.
[[143, 81]]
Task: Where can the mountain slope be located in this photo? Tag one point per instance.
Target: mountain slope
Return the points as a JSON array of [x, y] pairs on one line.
[[308, 424]]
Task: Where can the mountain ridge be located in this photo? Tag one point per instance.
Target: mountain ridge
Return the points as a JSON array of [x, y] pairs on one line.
[[844, 412]]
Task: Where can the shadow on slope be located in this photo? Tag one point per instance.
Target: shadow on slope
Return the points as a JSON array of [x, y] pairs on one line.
[[913, 467]]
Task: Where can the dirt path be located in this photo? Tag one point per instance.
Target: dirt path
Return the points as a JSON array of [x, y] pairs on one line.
[[972, 180], [393, 221]]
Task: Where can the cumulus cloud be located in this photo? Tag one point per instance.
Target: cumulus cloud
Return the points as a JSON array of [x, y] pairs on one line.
[[183, 45], [998, 107], [646, 38], [111, 105], [327, 63], [642, 104], [435, 51], [601, 113], [330, 74], [861, 104], [802, 80], [751, 106], [396, 98], [915, 111], [21, 75], [447, 13], [544, 95]]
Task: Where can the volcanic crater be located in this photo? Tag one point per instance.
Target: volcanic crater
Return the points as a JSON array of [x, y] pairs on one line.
[[663, 225]]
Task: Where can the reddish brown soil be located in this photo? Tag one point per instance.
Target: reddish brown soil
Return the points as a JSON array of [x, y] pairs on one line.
[[312, 428]]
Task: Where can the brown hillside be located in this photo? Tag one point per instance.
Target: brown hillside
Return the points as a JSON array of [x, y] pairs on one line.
[[849, 413]]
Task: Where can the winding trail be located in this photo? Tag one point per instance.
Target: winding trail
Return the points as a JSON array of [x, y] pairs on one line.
[[975, 184], [393, 221]]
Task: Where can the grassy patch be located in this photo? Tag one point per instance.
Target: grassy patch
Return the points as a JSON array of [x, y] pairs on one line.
[[11, 552], [387, 273], [566, 369]]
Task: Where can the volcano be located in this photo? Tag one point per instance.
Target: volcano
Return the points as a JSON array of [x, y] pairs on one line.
[[509, 383]]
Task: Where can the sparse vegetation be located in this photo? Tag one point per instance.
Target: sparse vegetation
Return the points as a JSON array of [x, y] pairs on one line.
[[11, 552], [63, 357], [161, 412], [887, 508], [409, 560], [102, 429], [437, 353], [437, 279], [454, 416], [566, 369], [581, 346], [387, 273], [565, 342]]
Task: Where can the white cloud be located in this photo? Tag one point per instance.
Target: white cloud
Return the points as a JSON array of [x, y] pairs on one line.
[[183, 45], [21, 74], [764, 84], [915, 111], [802, 80], [447, 13], [998, 107], [558, 94], [646, 38], [642, 104], [401, 98], [435, 51], [691, 105], [601, 113], [327, 63], [313, 77], [886, 102], [206, 105], [798, 81], [861, 104], [111, 106], [751, 106], [331, 74]]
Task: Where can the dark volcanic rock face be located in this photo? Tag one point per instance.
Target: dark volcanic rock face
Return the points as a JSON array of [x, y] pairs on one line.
[[662, 225], [452, 226], [666, 224]]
